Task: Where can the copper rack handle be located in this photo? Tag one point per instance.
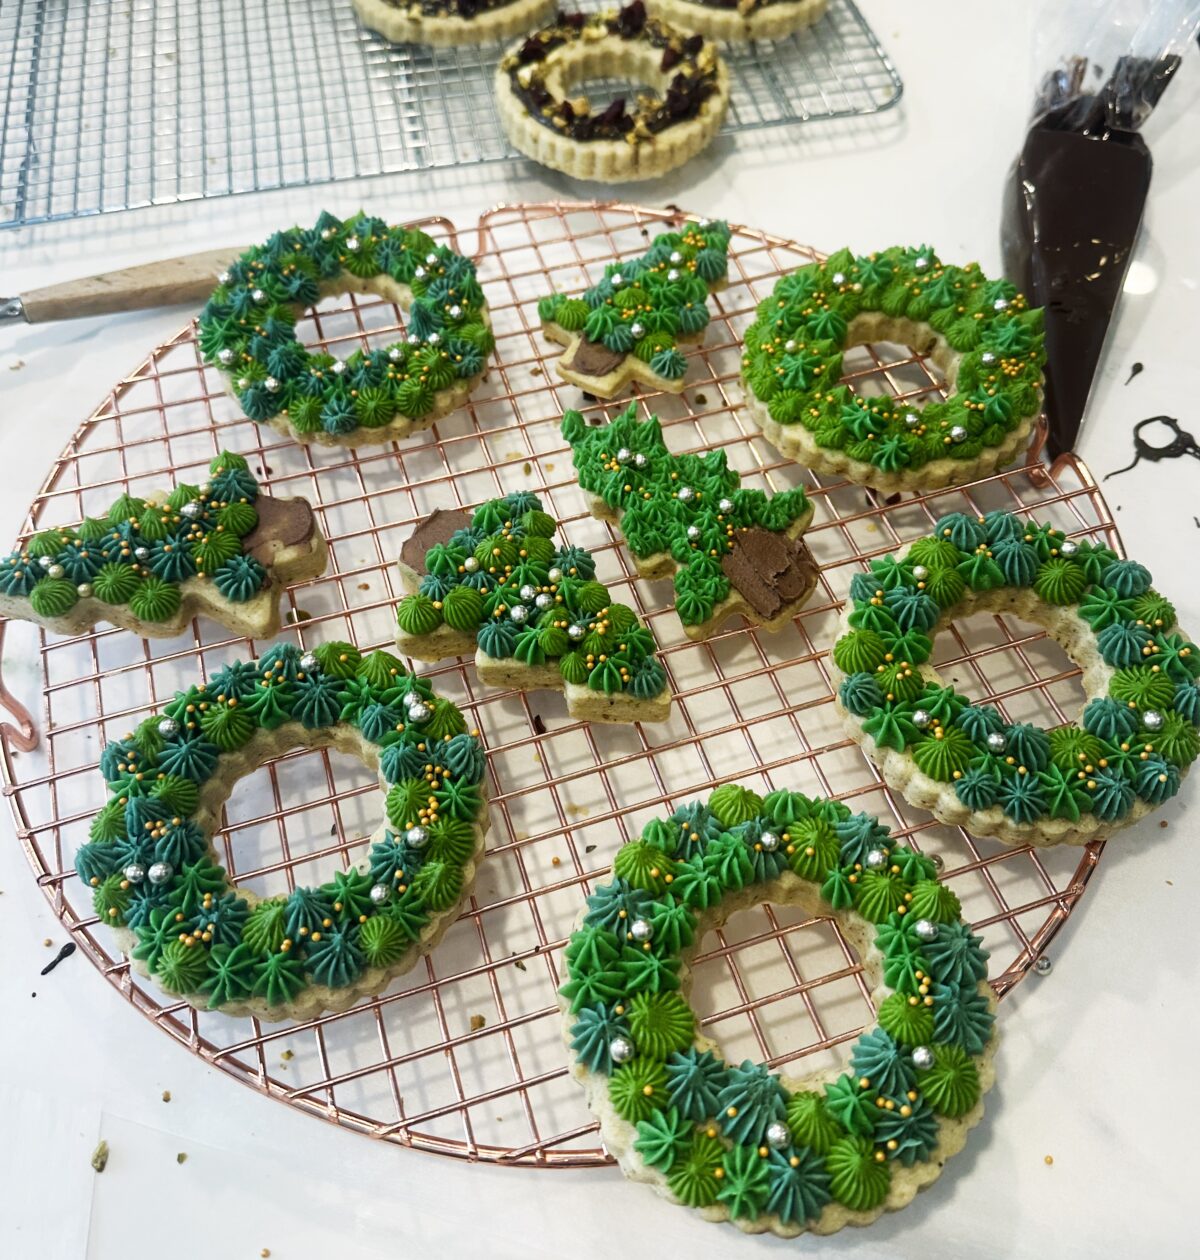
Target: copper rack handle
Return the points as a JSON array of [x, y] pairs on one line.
[[187, 280]]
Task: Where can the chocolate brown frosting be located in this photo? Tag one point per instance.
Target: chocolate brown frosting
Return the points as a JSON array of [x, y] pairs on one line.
[[769, 571], [281, 523], [438, 527], [593, 358]]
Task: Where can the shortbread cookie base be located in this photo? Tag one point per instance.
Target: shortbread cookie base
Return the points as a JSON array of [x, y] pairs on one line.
[[772, 22], [662, 565], [619, 1135], [794, 441], [902, 774], [406, 24], [613, 161], [631, 369], [317, 998], [400, 426], [256, 618], [582, 702]]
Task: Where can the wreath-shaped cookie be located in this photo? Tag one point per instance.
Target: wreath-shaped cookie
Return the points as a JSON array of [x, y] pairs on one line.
[[451, 23], [248, 331], [981, 334], [150, 565], [153, 869], [964, 762], [630, 326], [739, 19], [731, 551], [675, 118], [737, 1142], [494, 584]]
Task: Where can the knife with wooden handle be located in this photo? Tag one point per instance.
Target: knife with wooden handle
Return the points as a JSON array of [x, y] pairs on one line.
[[173, 282]]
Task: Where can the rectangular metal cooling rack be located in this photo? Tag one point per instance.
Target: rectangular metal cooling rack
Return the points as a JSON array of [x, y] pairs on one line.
[[464, 1055], [114, 104]]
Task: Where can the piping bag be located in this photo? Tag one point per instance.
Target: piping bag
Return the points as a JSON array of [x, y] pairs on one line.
[[1074, 198]]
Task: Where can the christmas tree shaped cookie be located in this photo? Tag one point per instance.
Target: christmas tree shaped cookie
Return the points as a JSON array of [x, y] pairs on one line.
[[150, 565], [495, 583], [630, 326], [730, 550]]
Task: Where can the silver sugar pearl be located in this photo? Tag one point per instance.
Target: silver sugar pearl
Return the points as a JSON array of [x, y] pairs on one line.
[[616, 279], [725, 505], [921, 718], [519, 613], [624, 455], [920, 572], [1000, 304], [55, 571], [352, 244], [576, 632], [997, 742], [839, 278], [44, 562], [544, 601], [528, 592], [258, 295], [160, 872], [778, 1135], [309, 662], [224, 278], [431, 258], [939, 862], [434, 339], [83, 590], [338, 368], [640, 460], [271, 385], [555, 575], [912, 419], [921, 263], [225, 356], [244, 383], [789, 345], [395, 354], [379, 893], [926, 930], [875, 859], [411, 698], [637, 330], [1152, 720], [418, 273], [987, 357], [770, 841], [685, 494], [418, 712], [141, 553], [922, 1057], [413, 339], [471, 565], [191, 509], [641, 930], [672, 274], [693, 532], [958, 434], [676, 256], [1069, 547], [327, 234], [456, 311], [416, 837], [168, 728], [620, 1050], [134, 873], [1043, 966]]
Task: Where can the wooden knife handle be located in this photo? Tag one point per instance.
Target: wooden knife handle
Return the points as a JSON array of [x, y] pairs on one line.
[[173, 282]]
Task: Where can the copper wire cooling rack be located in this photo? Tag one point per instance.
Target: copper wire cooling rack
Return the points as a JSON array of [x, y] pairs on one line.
[[463, 1056]]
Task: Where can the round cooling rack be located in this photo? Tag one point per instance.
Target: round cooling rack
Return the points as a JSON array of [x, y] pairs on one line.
[[464, 1055]]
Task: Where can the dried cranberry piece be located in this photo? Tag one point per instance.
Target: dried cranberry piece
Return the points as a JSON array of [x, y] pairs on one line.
[[575, 21], [531, 50], [669, 58], [613, 114], [631, 20], [692, 45]]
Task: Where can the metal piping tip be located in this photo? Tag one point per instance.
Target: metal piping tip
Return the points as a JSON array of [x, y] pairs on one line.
[[11, 308]]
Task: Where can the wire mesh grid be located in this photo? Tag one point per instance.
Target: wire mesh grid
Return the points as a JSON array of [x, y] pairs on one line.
[[464, 1055], [112, 105]]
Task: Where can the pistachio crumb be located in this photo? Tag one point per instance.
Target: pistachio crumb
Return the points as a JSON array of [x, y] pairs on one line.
[[100, 1156]]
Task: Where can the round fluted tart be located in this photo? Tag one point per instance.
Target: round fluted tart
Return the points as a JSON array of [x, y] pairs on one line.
[[154, 872], [451, 23], [967, 763], [247, 330], [740, 19], [980, 333], [676, 117], [736, 1142]]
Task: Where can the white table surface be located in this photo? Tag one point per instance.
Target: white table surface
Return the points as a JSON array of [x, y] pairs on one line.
[[1094, 1063]]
